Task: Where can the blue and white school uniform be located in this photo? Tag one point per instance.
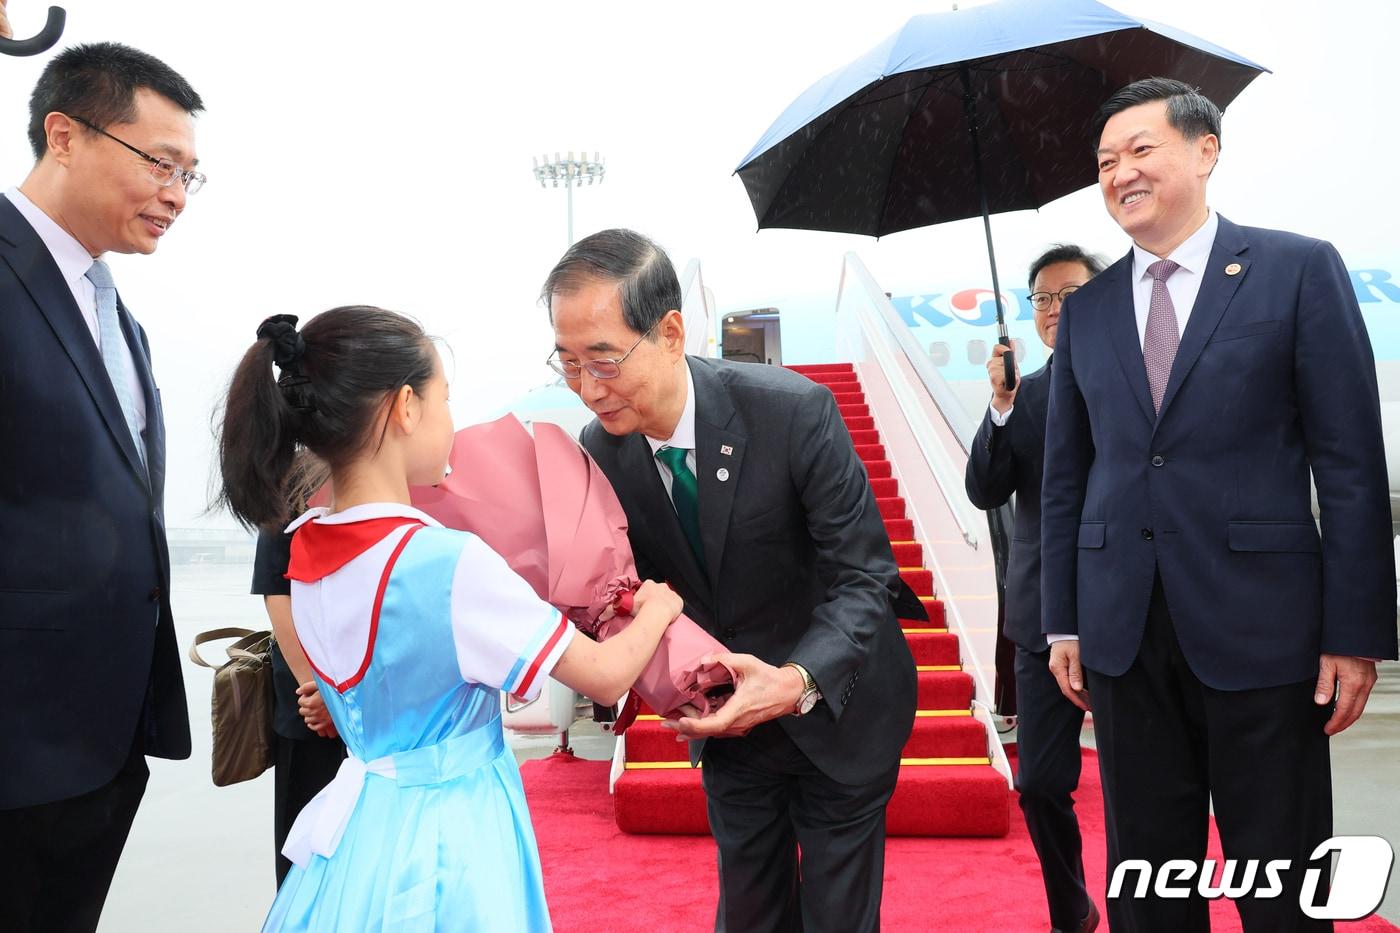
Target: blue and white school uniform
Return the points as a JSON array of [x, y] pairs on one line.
[[413, 630]]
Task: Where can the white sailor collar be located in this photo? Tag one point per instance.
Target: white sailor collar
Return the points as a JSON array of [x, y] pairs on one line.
[[322, 515]]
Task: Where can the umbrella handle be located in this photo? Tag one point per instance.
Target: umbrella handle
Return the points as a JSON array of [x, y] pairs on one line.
[[40, 43], [1009, 358]]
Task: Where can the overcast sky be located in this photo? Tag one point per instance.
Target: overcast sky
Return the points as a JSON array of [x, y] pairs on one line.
[[381, 153]]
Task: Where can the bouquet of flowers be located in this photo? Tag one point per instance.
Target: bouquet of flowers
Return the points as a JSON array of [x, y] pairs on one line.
[[540, 501]]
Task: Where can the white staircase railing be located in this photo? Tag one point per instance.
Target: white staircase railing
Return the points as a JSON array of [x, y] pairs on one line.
[[926, 433], [697, 311]]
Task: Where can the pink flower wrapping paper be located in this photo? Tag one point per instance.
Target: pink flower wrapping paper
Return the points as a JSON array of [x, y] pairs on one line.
[[542, 504]]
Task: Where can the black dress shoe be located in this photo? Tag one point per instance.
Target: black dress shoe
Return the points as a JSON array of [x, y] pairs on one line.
[[1087, 925]]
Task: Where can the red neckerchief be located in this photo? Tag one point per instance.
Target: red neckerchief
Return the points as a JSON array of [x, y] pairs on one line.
[[319, 550]]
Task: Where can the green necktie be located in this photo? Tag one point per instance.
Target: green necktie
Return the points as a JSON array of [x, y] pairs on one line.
[[685, 496]]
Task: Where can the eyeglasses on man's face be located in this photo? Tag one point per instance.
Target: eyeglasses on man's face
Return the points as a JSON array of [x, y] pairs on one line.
[[598, 369], [1042, 301], [164, 171]]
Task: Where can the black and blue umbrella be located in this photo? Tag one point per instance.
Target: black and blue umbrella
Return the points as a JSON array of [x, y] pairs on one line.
[[971, 112]]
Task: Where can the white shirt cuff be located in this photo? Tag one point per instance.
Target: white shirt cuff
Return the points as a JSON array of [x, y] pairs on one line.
[[998, 418], [1051, 639]]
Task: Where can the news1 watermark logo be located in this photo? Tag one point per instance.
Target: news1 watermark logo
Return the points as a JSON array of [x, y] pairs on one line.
[[1359, 879]]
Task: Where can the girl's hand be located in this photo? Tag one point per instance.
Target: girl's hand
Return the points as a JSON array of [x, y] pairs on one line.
[[661, 595], [313, 710]]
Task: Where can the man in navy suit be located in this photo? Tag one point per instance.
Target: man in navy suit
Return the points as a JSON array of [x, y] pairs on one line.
[[1222, 636], [1007, 457], [90, 678]]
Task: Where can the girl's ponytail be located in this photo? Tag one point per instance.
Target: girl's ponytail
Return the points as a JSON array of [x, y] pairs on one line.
[[258, 436]]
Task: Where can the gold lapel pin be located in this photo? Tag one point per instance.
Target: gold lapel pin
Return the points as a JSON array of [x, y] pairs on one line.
[[1233, 268]]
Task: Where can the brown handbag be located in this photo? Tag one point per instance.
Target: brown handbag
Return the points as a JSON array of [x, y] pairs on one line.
[[241, 705]]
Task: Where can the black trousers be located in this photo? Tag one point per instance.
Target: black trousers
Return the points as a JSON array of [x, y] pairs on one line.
[[57, 859], [1047, 774], [767, 802], [301, 769], [1169, 747]]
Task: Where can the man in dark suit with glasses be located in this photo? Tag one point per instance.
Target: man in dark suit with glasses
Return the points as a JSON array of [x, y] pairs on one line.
[[1007, 458], [743, 490], [90, 679]]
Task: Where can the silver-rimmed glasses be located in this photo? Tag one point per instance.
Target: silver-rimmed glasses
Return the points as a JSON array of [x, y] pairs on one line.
[[164, 171], [598, 369], [1041, 301]]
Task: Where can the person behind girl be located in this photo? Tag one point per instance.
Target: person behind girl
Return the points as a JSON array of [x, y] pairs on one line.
[[412, 631], [308, 751]]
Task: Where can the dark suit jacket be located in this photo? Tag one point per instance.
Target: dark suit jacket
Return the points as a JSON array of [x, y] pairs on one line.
[[88, 659], [800, 564], [1009, 460], [1274, 377]]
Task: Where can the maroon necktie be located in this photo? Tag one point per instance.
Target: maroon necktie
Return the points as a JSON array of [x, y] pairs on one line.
[[1160, 339]]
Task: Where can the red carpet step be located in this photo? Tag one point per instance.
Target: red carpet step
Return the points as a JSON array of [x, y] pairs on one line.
[[891, 508], [877, 469], [932, 737], [932, 649], [920, 581], [809, 369], [939, 690], [861, 438], [859, 423], [853, 410], [649, 740], [946, 737], [929, 800], [949, 800], [899, 529], [907, 553], [884, 487], [663, 801]]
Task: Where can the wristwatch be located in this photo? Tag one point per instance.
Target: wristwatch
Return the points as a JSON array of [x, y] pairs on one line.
[[810, 693]]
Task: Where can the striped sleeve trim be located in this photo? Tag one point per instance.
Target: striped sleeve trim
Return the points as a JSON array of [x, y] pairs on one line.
[[551, 639]]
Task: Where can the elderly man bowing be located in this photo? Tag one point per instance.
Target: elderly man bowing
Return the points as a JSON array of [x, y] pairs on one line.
[[742, 489]]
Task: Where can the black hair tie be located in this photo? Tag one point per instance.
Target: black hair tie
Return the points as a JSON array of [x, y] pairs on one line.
[[288, 349]]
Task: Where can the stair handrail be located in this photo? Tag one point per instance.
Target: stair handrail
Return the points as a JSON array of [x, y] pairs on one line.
[[963, 426], [697, 312], [882, 330], [947, 474]]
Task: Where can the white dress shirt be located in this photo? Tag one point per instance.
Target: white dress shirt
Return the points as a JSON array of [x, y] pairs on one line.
[[1183, 286], [73, 261], [682, 436]]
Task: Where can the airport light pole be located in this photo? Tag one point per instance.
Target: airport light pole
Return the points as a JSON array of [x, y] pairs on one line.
[[572, 172]]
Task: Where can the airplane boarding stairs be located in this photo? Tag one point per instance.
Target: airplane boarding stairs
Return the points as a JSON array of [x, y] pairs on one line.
[[952, 778]]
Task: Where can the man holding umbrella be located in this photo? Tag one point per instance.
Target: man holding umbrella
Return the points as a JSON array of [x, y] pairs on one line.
[[1007, 457], [1198, 383]]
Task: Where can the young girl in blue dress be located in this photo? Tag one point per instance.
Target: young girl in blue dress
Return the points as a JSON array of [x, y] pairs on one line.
[[412, 631]]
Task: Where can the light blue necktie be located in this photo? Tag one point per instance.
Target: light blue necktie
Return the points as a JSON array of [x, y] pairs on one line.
[[109, 333]]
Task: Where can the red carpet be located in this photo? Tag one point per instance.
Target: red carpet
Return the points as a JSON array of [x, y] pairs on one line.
[[947, 785], [601, 880]]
